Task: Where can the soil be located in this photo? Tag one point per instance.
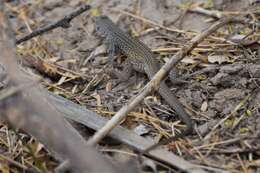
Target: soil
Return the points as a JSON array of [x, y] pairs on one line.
[[221, 91]]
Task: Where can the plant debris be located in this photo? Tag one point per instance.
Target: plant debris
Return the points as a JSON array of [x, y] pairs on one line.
[[221, 73]]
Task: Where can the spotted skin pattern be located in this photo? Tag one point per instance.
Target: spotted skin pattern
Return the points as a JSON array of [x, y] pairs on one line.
[[141, 59]]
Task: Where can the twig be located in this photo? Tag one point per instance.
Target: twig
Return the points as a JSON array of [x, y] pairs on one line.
[[227, 117], [63, 23], [212, 169], [151, 22], [256, 24], [154, 83], [212, 13], [244, 167], [19, 165]]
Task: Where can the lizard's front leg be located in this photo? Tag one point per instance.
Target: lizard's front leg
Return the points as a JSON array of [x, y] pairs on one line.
[[111, 49], [122, 75]]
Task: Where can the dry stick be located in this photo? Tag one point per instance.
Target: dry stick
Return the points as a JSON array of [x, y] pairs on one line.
[[151, 22], [212, 13], [94, 121], [18, 165], [174, 29], [63, 23], [155, 81]]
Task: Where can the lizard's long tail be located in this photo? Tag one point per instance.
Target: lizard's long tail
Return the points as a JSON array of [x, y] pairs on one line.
[[171, 99]]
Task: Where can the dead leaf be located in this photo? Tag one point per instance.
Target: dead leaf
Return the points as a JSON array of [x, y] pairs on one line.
[[204, 106], [109, 86], [4, 167], [218, 59], [97, 97]]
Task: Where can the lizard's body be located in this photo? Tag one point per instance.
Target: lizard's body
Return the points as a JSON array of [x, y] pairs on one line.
[[140, 58]]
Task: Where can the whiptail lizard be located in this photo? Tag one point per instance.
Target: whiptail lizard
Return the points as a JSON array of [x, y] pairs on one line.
[[140, 58]]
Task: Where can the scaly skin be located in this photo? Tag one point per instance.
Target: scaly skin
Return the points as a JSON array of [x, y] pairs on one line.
[[141, 58]]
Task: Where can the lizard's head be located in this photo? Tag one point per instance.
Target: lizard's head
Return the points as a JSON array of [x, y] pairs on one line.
[[101, 26]]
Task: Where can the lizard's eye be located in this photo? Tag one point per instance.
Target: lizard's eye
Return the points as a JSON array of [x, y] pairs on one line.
[[97, 28], [100, 31]]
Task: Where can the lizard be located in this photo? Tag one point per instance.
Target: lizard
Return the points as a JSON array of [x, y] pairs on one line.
[[141, 59]]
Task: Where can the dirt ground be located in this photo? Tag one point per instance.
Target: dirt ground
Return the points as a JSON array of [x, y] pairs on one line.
[[221, 91]]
